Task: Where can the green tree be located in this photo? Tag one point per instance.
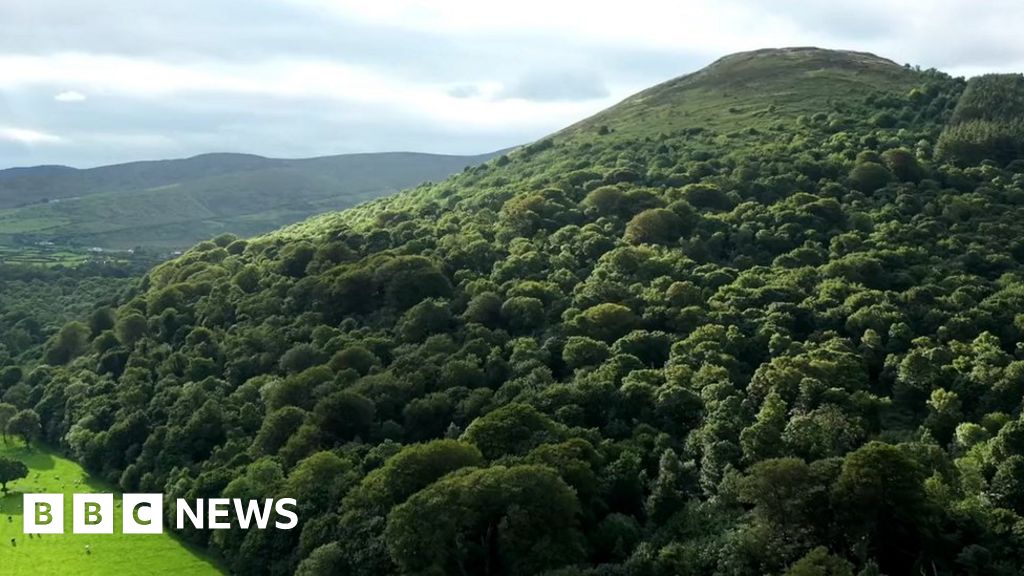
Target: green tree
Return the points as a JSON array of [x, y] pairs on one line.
[[318, 482], [788, 497], [880, 499], [344, 415], [7, 411], [25, 424], [410, 470], [357, 358], [607, 321], [818, 562], [669, 489], [403, 474], [496, 521], [511, 429], [523, 313], [609, 200], [869, 176], [131, 327], [277, 428], [655, 226], [484, 308], [763, 439], [706, 196], [71, 342], [11, 470], [428, 317], [944, 414], [327, 560], [903, 164], [295, 257], [300, 357], [102, 319], [408, 280], [1008, 484], [581, 351]]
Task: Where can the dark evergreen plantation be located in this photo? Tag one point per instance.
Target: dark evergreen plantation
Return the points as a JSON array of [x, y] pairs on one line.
[[763, 319]]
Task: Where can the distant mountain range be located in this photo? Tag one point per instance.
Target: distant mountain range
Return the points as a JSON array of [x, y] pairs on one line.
[[173, 203]]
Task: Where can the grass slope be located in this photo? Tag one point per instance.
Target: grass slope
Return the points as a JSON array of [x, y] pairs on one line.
[[752, 90], [174, 203], [144, 555]]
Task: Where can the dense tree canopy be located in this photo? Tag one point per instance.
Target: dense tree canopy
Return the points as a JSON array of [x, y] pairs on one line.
[[782, 339]]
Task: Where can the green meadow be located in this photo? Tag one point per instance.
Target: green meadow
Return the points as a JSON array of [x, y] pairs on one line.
[[60, 554]]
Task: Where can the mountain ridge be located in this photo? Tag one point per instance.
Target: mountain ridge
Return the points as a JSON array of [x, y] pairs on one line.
[[173, 203], [239, 155], [240, 160]]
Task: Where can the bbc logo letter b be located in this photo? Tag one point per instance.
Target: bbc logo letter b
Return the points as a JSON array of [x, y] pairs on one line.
[[43, 514], [93, 514]]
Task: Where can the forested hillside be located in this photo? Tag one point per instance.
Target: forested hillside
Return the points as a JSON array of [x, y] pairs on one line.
[[753, 321], [35, 302]]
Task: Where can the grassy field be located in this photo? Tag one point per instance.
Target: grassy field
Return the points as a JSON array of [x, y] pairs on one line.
[[40, 256], [153, 555], [72, 256]]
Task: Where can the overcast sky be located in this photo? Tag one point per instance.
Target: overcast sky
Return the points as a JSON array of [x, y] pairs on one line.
[[89, 82]]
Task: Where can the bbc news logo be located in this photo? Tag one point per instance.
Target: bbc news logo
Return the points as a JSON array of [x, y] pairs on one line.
[[144, 514]]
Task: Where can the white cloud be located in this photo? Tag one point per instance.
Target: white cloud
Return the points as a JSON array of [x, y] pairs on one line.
[[904, 30], [289, 79], [70, 96], [301, 77], [27, 136], [724, 25]]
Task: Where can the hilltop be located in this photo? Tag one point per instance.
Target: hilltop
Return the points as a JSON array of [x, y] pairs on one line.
[[175, 203], [761, 319], [754, 90]]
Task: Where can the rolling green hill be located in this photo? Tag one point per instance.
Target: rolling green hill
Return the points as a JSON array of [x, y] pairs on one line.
[[175, 203], [752, 90], [750, 321]]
